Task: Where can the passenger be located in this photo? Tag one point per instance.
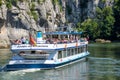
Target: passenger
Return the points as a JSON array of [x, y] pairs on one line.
[[23, 39], [48, 41], [21, 53], [27, 41], [82, 39], [55, 41], [17, 41], [76, 39], [65, 40], [87, 38]]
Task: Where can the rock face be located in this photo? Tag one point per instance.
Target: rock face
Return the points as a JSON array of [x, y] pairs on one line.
[[19, 16]]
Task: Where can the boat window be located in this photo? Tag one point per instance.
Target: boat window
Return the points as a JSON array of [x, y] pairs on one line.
[[86, 47], [32, 52], [76, 50], [34, 55], [68, 52], [72, 51], [64, 53], [59, 54], [79, 50]]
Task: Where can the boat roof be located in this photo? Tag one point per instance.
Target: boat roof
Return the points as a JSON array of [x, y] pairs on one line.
[[62, 33]]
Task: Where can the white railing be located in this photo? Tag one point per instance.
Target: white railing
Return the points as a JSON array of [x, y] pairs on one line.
[[47, 46]]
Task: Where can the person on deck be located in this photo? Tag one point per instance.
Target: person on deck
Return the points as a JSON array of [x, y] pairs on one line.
[[23, 39]]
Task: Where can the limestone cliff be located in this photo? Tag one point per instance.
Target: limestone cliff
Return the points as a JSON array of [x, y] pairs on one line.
[[17, 17]]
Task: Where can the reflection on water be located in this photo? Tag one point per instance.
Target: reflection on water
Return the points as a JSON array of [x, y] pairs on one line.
[[105, 50], [103, 64]]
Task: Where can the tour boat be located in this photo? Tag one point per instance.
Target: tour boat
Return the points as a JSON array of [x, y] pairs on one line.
[[50, 50]]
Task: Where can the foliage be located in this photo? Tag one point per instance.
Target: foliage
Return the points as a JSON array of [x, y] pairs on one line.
[[60, 7], [41, 1], [117, 5], [0, 3], [21, 0], [103, 1], [33, 12], [116, 29], [9, 3], [105, 21], [101, 26], [91, 26], [32, 7], [55, 2]]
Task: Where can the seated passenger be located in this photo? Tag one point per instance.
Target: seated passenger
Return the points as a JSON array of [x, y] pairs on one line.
[[23, 40], [17, 41], [27, 41]]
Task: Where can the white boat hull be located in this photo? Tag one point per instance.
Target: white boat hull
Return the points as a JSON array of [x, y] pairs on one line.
[[39, 64]]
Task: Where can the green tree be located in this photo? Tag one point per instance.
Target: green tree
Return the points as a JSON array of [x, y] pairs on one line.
[[0, 3], [116, 29], [105, 21], [91, 26], [33, 12], [101, 26]]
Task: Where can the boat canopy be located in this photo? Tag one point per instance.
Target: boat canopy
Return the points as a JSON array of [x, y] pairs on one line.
[[63, 33]]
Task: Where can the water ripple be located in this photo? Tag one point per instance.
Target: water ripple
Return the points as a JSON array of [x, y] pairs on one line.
[[104, 66]]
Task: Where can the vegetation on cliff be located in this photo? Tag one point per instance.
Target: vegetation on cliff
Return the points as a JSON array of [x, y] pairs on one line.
[[106, 23], [116, 28]]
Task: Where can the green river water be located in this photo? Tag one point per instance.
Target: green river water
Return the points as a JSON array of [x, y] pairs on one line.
[[103, 63]]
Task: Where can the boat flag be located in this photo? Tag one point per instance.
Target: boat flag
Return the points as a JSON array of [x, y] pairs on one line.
[[32, 41]]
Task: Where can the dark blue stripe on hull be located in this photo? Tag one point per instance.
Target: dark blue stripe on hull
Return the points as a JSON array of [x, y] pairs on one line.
[[41, 66], [29, 66]]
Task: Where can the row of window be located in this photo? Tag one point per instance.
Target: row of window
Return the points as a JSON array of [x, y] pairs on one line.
[[71, 51]]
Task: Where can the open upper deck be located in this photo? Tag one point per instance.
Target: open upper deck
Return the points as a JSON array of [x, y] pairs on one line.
[[52, 41]]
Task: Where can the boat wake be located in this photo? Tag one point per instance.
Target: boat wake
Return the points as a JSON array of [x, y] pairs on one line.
[[17, 75]]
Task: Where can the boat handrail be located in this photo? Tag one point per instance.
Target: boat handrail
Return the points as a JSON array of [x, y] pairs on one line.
[[53, 42]]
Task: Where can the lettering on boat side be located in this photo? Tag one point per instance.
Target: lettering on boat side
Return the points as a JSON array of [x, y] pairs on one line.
[[19, 46], [42, 46]]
